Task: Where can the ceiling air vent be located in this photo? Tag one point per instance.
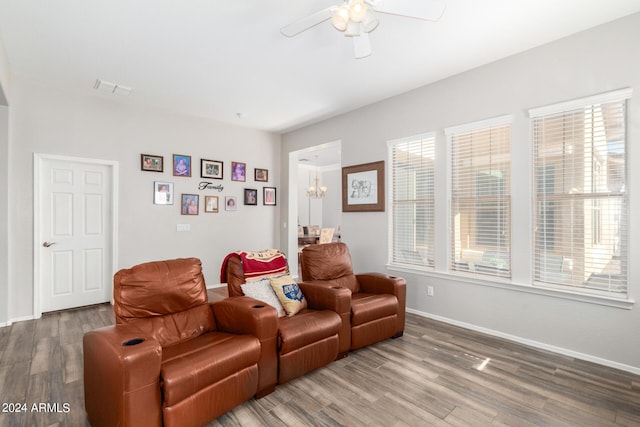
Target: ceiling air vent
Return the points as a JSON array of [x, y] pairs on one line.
[[109, 87]]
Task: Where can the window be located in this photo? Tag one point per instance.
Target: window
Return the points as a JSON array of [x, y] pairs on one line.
[[412, 188], [480, 198], [580, 239]]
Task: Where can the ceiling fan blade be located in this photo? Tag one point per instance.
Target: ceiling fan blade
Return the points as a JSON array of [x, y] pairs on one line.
[[303, 24], [361, 45], [428, 10]]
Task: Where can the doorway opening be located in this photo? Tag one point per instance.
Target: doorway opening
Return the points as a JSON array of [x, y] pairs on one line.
[[308, 213]]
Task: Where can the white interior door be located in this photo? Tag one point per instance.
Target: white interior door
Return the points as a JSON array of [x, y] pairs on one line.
[[75, 212]]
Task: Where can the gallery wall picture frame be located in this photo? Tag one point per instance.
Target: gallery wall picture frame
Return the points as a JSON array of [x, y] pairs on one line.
[[162, 193], [151, 163], [189, 204], [250, 196], [213, 169], [261, 175], [230, 203], [269, 196], [181, 165], [211, 204], [363, 187], [238, 171]]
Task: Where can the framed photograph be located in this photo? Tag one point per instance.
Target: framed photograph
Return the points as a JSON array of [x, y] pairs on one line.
[[269, 196], [238, 171], [363, 188], [189, 205], [163, 193], [230, 203], [181, 165], [151, 163], [211, 169], [250, 196], [211, 204], [261, 175]]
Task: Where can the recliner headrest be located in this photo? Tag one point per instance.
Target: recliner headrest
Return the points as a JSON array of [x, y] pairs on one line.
[[158, 288]]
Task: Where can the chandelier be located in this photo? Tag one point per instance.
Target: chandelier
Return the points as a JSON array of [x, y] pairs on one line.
[[316, 191]]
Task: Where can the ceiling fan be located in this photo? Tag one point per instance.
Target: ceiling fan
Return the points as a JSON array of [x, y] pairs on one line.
[[357, 18]]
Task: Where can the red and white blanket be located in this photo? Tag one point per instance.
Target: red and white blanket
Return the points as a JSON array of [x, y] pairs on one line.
[[259, 263]]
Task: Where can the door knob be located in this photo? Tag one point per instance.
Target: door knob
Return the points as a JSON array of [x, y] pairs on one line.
[[48, 244]]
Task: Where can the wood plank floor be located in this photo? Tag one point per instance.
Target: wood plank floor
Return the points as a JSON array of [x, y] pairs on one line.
[[436, 374]]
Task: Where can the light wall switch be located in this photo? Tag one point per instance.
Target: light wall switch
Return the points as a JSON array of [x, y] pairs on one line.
[[183, 227]]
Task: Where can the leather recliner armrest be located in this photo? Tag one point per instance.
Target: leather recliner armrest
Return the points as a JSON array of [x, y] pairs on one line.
[[122, 377], [378, 283], [325, 295], [245, 315]]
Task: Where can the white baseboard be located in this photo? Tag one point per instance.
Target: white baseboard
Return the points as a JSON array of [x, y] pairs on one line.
[[20, 319], [560, 350], [217, 285]]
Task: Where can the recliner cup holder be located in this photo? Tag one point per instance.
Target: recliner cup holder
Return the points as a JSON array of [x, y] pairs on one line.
[[132, 341], [257, 306], [336, 287]]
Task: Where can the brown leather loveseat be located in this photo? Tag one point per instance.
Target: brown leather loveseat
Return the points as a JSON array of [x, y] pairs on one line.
[[378, 301], [172, 358]]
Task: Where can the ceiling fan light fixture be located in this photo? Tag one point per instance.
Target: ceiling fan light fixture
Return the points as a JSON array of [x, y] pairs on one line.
[[370, 21], [357, 18], [340, 18], [357, 10], [354, 29]]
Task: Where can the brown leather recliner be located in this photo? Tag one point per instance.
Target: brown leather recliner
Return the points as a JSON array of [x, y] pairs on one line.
[[378, 301], [309, 339], [172, 358]]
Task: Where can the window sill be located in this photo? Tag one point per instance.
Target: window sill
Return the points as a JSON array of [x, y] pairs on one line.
[[622, 303]]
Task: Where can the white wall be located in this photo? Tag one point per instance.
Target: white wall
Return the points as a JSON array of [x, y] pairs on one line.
[[4, 185], [4, 211], [5, 76], [90, 124], [599, 60], [332, 202]]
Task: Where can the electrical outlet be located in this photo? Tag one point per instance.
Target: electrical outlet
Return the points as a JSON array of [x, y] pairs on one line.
[[430, 291]]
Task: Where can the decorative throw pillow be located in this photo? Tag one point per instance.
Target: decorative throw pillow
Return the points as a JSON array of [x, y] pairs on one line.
[[288, 293], [262, 290]]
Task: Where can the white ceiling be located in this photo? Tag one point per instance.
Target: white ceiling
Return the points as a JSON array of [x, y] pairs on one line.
[[218, 58]]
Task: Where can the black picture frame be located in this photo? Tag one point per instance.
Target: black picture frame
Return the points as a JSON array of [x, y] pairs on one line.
[[151, 163], [213, 169], [269, 196], [261, 175], [250, 196]]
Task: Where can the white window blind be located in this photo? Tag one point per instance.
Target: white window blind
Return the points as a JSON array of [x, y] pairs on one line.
[[581, 217], [480, 198], [412, 216]]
